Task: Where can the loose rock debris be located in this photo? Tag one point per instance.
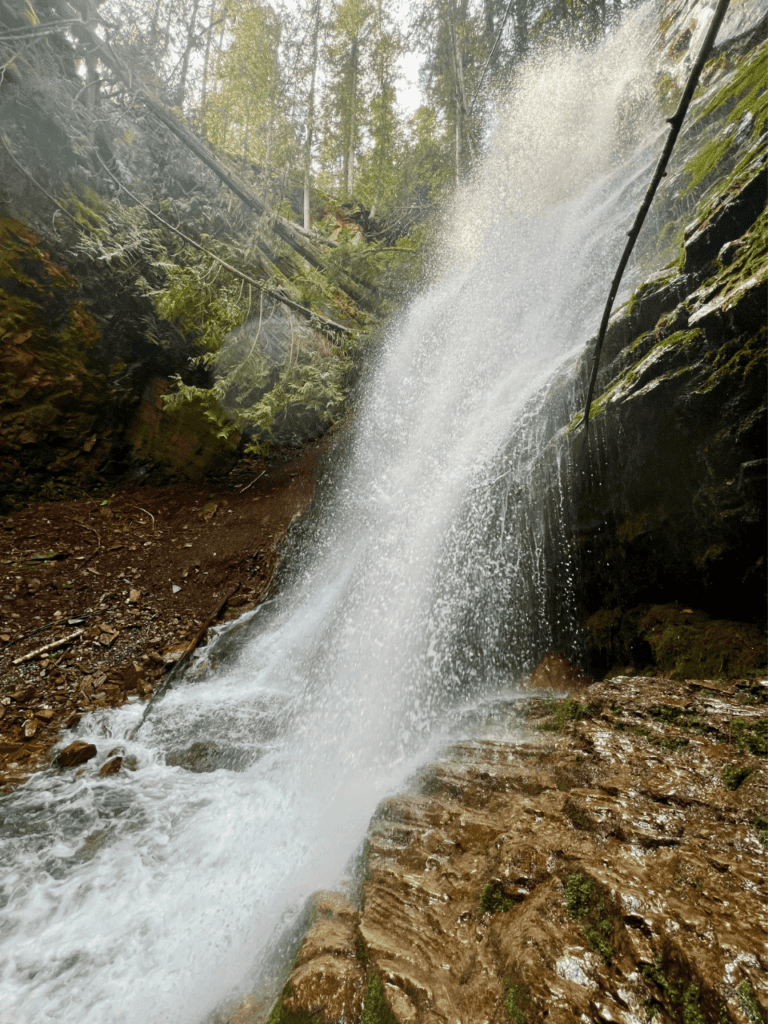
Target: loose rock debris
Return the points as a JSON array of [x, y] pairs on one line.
[[100, 598]]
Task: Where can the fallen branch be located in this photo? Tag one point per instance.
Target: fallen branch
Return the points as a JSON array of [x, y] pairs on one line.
[[242, 489], [147, 513], [283, 228], [676, 123], [322, 321], [48, 647], [186, 654]]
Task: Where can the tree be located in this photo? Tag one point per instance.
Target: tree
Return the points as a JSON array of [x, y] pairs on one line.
[[245, 111], [454, 39], [346, 55], [387, 46]]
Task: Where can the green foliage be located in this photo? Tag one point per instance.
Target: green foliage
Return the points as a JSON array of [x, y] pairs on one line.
[[516, 1002], [375, 1007], [245, 113], [733, 775], [586, 902], [748, 1002], [493, 900]]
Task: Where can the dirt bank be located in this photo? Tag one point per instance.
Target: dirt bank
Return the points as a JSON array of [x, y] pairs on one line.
[[99, 598]]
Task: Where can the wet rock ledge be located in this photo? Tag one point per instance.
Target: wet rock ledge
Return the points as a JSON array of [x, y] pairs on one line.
[[611, 864]]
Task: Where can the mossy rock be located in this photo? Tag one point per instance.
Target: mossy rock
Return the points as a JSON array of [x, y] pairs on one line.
[[688, 645], [678, 642], [181, 444]]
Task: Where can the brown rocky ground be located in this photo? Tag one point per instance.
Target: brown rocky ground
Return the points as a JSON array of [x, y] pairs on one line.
[[607, 862], [99, 598]]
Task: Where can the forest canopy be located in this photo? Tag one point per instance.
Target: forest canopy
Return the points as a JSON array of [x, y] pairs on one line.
[[251, 169]]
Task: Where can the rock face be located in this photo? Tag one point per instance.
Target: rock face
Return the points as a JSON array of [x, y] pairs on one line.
[[75, 754], [608, 864], [664, 500]]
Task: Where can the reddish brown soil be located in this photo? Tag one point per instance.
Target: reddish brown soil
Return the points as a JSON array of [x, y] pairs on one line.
[[105, 575]]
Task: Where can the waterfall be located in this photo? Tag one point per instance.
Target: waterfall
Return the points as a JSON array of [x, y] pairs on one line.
[[157, 894]]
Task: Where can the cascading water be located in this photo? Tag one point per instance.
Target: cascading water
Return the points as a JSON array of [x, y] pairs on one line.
[[157, 894]]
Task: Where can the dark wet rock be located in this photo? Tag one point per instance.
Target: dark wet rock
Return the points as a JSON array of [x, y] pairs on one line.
[[75, 754], [728, 221], [111, 767], [664, 501], [207, 757], [680, 642]]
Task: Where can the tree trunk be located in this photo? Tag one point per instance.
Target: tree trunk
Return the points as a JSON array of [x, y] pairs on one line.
[[284, 229], [352, 123], [311, 122], [181, 89]]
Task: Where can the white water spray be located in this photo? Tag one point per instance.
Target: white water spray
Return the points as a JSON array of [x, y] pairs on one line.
[[155, 895]]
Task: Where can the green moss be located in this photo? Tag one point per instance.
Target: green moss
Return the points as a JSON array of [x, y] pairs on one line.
[[668, 92], [493, 900], [587, 902], [361, 951], [733, 775], [706, 161], [516, 1002], [748, 1002], [751, 736], [562, 711], [676, 993], [684, 339], [578, 891], [688, 645], [746, 91], [375, 1006], [644, 288], [739, 359], [280, 1015], [91, 212], [683, 718], [760, 825], [748, 88], [670, 742]]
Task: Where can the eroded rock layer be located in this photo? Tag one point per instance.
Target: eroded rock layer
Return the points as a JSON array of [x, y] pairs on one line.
[[605, 862]]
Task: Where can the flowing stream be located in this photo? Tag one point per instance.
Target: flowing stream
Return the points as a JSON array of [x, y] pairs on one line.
[[158, 894]]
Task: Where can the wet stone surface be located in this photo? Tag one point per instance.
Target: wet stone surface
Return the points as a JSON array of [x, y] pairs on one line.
[[606, 862]]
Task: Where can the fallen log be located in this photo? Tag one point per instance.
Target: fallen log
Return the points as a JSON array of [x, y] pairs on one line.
[[281, 227]]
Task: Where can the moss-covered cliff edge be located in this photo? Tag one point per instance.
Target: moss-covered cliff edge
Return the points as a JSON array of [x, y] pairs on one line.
[[664, 500]]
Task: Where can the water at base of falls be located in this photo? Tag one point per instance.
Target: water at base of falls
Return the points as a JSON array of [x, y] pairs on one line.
[[155, 895]]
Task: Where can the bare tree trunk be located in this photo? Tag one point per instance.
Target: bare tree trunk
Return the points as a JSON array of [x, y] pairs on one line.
[[284, 229], [181, 89], [349, 159], [461, 101], [521, 28], [88, 10], [311, 121]]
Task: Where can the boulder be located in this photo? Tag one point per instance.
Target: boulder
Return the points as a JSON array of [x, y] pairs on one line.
[[75, 754]]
